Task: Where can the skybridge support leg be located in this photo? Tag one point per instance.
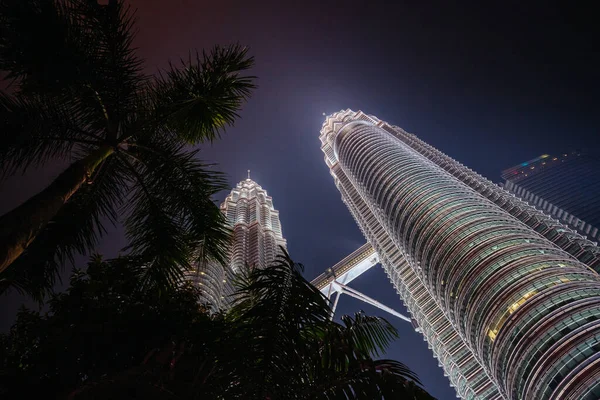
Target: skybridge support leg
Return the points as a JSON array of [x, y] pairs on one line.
[[341, 288], [334, 306]]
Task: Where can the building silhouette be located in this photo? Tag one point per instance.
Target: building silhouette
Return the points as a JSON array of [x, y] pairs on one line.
[[507, 297], [256, 241], [566, 186]]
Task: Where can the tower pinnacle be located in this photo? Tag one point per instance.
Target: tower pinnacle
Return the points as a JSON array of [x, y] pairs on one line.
[[248, 174]]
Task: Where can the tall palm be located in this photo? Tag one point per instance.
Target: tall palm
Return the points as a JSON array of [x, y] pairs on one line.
[[79, 94]]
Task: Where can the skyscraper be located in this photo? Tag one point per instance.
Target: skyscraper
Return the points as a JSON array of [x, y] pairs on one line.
[[256, 239], [566, 186], [505, 296]]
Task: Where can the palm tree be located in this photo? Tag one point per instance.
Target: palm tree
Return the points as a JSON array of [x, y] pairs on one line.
[[78, 94]]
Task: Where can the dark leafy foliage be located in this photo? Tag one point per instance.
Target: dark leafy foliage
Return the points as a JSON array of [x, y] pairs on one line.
[[292, 350], [109, 337], [78, 85], [102, 324]]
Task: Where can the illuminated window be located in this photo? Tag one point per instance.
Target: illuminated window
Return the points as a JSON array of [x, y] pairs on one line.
[[511, 309]]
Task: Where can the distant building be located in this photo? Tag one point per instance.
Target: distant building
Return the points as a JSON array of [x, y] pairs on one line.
[[566, 186], [256, 239], [505, 296]]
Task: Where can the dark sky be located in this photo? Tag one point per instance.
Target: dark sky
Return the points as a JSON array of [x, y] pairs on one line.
[[491, 86]]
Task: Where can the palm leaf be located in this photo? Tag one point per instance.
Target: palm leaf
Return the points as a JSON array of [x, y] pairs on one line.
[[368, 334], [54, 45], [170, 212], [34, 131], [117, 75], [36, 35], [275, 310], [199, 98]]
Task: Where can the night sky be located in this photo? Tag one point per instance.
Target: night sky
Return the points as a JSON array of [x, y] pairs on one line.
[[491, 86]]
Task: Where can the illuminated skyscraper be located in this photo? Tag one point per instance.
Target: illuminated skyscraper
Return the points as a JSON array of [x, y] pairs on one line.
[[566, 186], [256, 239], [505, 296]]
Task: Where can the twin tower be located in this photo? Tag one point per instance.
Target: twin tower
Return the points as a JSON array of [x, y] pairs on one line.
[[507, 297]]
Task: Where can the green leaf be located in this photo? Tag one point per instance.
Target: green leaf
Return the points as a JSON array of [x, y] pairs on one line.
[[170, 212], [199, 98]]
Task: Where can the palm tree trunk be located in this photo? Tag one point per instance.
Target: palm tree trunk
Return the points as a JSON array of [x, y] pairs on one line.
[[19, 227]]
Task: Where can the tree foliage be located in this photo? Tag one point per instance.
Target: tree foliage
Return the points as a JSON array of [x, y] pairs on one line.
[[109, 337], [79, 94]]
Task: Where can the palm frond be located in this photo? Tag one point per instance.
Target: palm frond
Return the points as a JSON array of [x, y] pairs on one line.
[[170, 213], [365, 379], [76, 229], [199, 98], [76, 53], [44, 44], [49, 46], [281, 288], [368, 334], [275, 312], [396, 380], [386, 366], [118, 76], [34, 131]]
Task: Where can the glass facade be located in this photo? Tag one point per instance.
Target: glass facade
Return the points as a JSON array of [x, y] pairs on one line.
[[473, 264], [566, 186], [256, 239]]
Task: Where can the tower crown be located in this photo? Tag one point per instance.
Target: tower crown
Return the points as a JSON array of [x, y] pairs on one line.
[[256, 240]]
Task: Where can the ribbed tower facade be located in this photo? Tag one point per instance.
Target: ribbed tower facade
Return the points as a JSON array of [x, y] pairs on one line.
[[506, 297], [256, 240]]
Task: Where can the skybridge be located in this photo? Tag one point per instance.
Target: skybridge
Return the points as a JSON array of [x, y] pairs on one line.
[[335, 280]]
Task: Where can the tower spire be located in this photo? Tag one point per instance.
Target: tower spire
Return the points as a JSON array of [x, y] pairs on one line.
[[248, 174]]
